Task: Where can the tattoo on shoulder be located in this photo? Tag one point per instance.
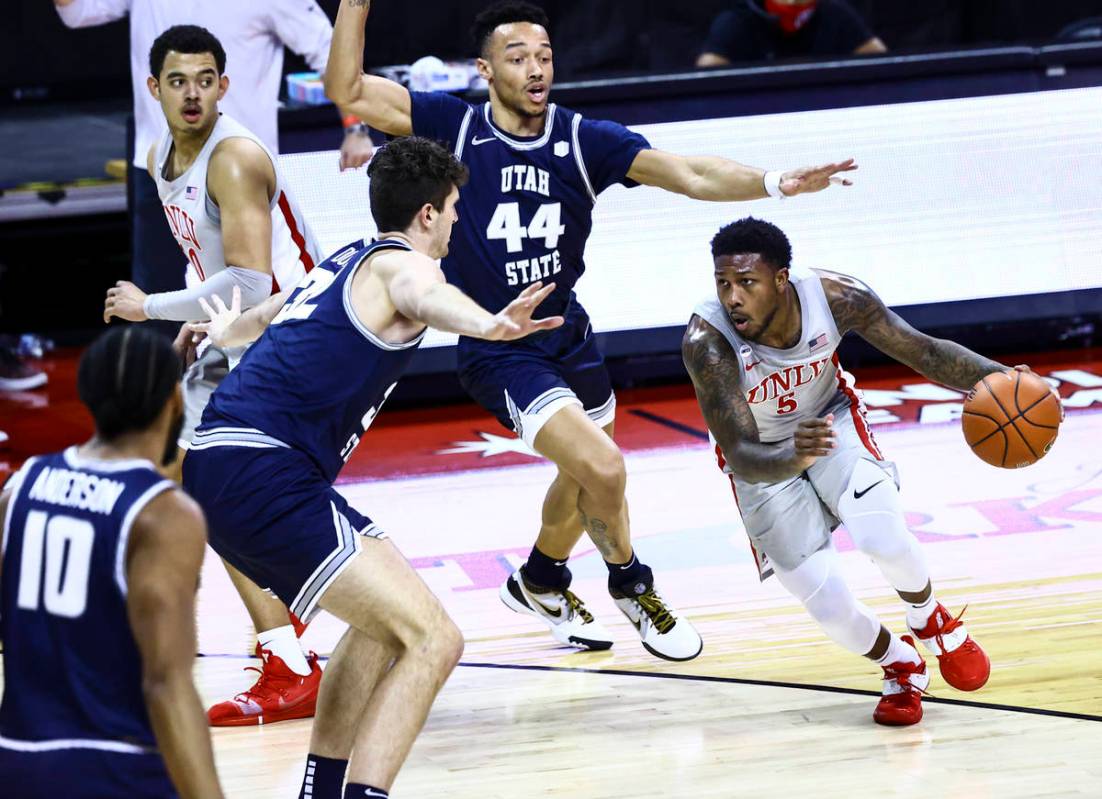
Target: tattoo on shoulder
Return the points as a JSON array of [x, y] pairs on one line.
[[716, 374], [855, 306]]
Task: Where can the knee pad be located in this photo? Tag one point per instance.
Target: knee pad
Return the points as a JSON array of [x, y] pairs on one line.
[[872, 512]]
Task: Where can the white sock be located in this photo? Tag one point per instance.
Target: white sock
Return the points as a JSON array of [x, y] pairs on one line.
[[899, 651], [283, 643], [919, 615]]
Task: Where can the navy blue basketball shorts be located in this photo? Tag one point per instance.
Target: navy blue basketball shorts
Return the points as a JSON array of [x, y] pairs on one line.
[[275, 518], [525, 383], [66, 769]]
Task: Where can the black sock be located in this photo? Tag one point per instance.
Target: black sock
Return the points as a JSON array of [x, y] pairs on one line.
[[356, 790], [324, 777], [629, 579], [547, 572]]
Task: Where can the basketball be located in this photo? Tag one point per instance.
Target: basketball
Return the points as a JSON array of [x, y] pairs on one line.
[[1011, 419]]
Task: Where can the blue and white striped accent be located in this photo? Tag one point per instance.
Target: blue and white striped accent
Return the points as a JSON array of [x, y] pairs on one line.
[[59, 744], [349, 543], [234, 437]]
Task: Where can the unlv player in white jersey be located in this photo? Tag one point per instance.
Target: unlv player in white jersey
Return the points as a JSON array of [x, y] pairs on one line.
[[791, 433], [239, 228]]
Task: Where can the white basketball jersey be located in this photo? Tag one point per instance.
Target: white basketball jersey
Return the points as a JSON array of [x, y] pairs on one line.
[[196, 222], [785, 386]]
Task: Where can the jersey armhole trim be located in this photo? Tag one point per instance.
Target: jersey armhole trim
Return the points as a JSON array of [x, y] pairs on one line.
[[461, 139], [15, 482], [575, 124], [350, 312], [127, 522]]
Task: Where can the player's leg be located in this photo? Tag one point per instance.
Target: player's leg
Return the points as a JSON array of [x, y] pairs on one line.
[[388, 605], [788, 523], [863, 493], [584, 452], [817, 584]]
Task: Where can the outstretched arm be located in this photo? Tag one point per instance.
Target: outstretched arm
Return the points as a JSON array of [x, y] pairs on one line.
[[418, 290], [719, 179], [714, 369], [856, 307], [229, 327], [163, 559], [379, 102]]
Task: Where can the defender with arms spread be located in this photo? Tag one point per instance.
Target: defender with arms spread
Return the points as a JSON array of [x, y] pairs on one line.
[[537, 169], [278, 430], [791, 432]]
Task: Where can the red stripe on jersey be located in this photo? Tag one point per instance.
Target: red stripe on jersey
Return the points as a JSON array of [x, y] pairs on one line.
[[856, 411], [296, 236]]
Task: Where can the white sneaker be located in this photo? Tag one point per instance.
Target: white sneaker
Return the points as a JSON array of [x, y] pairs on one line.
[[562, 611], [664, 632]]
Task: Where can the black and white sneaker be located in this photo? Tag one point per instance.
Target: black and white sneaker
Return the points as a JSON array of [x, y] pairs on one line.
[[562, 611], [663, 631]]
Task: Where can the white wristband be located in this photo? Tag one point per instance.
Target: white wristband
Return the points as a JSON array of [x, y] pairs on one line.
[[773, 184]]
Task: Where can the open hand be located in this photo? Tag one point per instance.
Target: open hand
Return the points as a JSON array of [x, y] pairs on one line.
[[815, 438], [515, 319], [125, 301], [221, 317], [808, 179]]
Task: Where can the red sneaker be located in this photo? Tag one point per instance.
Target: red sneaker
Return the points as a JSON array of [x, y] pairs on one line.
[[963, 664], [299, 626], [278, 695], [904, 684]]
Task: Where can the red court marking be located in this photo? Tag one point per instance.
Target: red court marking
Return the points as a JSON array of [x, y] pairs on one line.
[[408, 442]]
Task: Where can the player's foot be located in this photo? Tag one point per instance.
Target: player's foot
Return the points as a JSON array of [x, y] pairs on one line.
[[962, 661], [663, 631], [562, 611], [904, 684], [278, 695]]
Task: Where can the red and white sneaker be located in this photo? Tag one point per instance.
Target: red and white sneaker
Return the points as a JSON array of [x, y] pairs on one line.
[[963, 664], [278, 695], [904, 685]]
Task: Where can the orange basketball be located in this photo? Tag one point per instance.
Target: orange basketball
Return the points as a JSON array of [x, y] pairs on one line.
[[1011, 419]]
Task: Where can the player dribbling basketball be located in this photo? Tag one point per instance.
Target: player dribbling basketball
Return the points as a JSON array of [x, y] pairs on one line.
[[791, 434]]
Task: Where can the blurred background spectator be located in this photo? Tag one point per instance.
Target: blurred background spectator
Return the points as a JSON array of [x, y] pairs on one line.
[[765, 30]]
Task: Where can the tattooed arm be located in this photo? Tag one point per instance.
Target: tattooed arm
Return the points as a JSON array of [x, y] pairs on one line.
[[856, 307], [715, 371]]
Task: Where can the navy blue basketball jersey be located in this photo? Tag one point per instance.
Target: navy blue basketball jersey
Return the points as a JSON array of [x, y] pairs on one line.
[[526, 213], [72, 671], [317, 377]]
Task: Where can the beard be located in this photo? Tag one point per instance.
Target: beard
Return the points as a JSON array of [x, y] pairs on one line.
[[172, 446]]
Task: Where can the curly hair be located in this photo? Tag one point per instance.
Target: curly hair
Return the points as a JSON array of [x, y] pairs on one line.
[[503, 13], [185, 39], [406, 174], [751, 235]]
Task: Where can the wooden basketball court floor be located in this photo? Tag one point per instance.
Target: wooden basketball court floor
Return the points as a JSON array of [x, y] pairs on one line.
[[770, 705]]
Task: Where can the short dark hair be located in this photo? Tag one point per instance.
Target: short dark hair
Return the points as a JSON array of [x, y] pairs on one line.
[[185, 39], [751, 235], [126, 377], [406, 174], [503, 13]]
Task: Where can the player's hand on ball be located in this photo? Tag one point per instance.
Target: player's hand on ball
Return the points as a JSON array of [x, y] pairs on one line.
[[125, 301], [1024, 368], [515, 319], [221, 317], [808, 179], [815, 438]]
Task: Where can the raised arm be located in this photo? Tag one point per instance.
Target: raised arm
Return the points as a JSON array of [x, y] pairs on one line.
[[705, 177], [714, 369], [856, 307], [86, 13], [379, 102], [418, 291], [164, 555]]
